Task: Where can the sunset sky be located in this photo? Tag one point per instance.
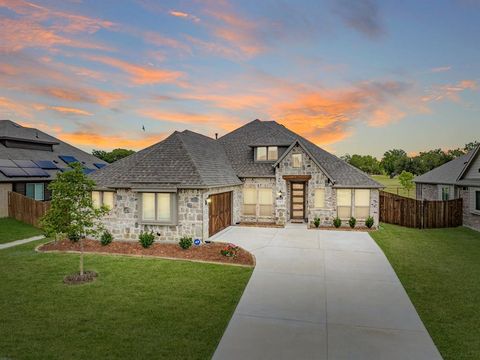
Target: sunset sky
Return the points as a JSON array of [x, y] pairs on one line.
[[352, 76]]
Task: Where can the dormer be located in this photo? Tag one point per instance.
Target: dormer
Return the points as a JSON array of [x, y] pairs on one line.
[[265, 153]]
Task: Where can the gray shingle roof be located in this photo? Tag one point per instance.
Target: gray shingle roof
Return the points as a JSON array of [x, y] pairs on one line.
[[12, 130], [447, 173], [238, 148], [184, 159]]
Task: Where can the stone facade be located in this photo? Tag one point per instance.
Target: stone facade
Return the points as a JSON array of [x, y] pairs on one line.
[[427, 192], [471, 218]]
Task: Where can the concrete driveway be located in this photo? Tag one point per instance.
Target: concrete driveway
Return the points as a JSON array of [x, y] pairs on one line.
[[321, 295]]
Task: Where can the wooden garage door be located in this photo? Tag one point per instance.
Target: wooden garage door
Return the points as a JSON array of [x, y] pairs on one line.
[[220, 212]]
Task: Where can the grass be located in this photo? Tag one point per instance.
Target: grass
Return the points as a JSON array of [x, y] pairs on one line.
[[136, 309], [11, 230], [440, 270], [393, 186]]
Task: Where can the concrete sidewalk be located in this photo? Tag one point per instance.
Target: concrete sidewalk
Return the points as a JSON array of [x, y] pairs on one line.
[[321, 295], [20, 242]]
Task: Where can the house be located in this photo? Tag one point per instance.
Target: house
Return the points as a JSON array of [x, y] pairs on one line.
[[193, 185], [459, 178], [30, 159]]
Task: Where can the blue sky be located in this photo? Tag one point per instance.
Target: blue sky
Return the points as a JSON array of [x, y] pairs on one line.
[[353, 76]]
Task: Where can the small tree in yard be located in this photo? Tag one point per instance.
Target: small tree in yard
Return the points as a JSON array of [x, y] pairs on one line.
[[406, 180], [72, 212]]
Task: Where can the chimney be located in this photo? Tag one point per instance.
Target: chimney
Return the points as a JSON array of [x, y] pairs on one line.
[[216, 136]]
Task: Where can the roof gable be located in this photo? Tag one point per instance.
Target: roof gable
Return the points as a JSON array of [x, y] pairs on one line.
[[470, 162]]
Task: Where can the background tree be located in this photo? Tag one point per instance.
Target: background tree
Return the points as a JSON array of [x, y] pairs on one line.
[[112, 156], [366, 163], [72, 212], [406, 180], [471, 146], [393, 160]]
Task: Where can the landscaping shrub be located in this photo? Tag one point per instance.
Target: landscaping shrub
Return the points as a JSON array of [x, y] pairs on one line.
[[230, 250], [316, 222], [369, 222], [185, 242], [146, 239], [73, 236], [337, 222], [106, 238], [352, 222]]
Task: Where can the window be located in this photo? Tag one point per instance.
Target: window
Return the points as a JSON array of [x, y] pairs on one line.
[[297, 160], [319, 198], [445, 193], [272, 153], [265, 199], [249, 201], [159, 208], [344, 203], [261, 153], [102, 198], [35, 191], [362, 203], [477, 200], [265, 153], [262, 197]]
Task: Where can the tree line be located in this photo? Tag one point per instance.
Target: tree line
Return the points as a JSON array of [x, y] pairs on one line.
[[396, 161]]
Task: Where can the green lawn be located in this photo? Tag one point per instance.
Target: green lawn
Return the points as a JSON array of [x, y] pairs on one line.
[[11, 230], [393, 186], [136, 309], [440, 270]]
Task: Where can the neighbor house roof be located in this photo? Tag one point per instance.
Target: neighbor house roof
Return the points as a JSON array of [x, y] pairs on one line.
[[448, 173], [183, 160], [23, 143], [238, 146]]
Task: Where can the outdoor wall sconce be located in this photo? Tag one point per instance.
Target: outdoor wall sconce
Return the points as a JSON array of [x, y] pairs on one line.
[[208, 201], [280, 195]]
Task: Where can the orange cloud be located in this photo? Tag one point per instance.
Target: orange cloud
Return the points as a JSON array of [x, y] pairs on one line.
[[449, 91], [63, 110], [140, 75], [184, 15], [86, 95], [96, 140]]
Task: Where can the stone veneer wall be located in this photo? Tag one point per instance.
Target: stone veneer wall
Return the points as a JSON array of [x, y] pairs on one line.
[[318, 180], [258, 183], [470, 219], [427, 192]]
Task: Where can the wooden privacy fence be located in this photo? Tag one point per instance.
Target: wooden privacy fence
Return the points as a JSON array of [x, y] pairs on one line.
[[25, 209], [399, 210]]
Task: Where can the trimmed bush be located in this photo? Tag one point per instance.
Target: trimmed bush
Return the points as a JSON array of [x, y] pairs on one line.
[[73, 237], [316, 222], [106, 238], [337, 222], [352, 222], [185, 242], [369, 222], [146, 239]]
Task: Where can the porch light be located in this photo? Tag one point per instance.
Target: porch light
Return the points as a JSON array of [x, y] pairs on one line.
[[208, 201], [280, 194]]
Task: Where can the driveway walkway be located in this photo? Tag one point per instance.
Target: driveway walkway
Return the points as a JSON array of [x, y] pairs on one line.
[[321, 295], [20, 242]]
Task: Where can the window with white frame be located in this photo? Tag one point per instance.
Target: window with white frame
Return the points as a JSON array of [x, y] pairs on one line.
[[446, 193], [103, 198], [35, 191], [159, 208], [362, 204], [262, 197], [344, 203], [267, 153], [297, 160], [319, 198], [265, 200]]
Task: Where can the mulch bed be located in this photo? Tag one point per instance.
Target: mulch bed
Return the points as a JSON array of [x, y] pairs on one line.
[[361, 229], [76, 278], [206, 252]]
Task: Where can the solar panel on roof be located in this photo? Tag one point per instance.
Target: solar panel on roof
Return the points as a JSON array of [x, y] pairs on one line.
[[46, 164], [7, 163], [99, 165], [25, 163], [68, 159], [37, 172], [13, 172]]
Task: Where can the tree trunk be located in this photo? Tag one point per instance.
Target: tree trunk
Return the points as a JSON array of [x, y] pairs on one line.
[[81, 256]]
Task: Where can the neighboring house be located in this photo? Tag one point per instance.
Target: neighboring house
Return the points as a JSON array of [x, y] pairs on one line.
[[192, 185], [459, 178], [30, 159]]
